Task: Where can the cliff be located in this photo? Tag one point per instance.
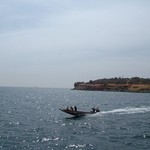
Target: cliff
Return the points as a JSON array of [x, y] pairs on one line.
[[134, 84]]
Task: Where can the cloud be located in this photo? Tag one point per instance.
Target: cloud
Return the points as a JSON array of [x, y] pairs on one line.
[[96, 31], [100, 28], [93, 38]]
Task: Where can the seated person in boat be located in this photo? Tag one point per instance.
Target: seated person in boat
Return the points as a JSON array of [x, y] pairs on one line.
[[94, 110], [71, 108], [97, 109]]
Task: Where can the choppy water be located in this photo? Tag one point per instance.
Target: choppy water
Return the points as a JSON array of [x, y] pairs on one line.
[[30, 120]]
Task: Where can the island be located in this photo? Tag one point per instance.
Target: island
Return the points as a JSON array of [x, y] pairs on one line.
[[134, 84]]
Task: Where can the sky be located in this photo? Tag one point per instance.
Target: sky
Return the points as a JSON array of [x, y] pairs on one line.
[[55, 43]]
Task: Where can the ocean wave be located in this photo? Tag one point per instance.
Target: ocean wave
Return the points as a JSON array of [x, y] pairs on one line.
[[128, 110], [145, 136]]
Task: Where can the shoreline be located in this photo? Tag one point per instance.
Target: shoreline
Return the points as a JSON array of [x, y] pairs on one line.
[[136, 84]]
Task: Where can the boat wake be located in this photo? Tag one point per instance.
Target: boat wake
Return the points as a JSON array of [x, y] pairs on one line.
[[127, 110]]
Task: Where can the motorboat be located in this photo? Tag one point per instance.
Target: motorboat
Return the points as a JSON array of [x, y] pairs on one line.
[[79, 113]]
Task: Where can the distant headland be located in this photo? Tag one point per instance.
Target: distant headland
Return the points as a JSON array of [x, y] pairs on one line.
[[134, 84]]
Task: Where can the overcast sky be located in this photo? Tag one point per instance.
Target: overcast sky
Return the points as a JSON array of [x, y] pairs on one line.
[[54, 43]]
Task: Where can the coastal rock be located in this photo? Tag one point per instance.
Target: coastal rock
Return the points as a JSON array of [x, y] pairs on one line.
[[134, 84]]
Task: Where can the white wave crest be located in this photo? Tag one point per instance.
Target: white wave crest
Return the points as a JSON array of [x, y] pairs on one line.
[[128, 110]]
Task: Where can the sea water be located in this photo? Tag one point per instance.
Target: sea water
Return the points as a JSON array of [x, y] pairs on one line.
[[30, 119]]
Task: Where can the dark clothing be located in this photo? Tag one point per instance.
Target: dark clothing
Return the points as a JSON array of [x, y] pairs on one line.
[[93, 110], [75, 108], [97, 109], [71, 108]]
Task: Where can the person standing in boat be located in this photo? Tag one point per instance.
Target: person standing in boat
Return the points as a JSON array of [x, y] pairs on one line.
[[75, 108]]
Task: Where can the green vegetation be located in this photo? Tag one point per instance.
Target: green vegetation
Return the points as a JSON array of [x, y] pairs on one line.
[[134, 84]]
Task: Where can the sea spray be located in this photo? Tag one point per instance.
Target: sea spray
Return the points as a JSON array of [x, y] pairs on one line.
[[128, 110]]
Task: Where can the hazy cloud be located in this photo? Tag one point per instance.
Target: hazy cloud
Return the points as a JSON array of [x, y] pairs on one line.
[[67, 41]]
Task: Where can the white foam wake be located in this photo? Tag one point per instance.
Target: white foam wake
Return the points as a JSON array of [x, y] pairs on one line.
[[128, 110]]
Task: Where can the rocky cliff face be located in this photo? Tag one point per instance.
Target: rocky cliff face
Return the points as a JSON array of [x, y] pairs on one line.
[[115, 84]]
